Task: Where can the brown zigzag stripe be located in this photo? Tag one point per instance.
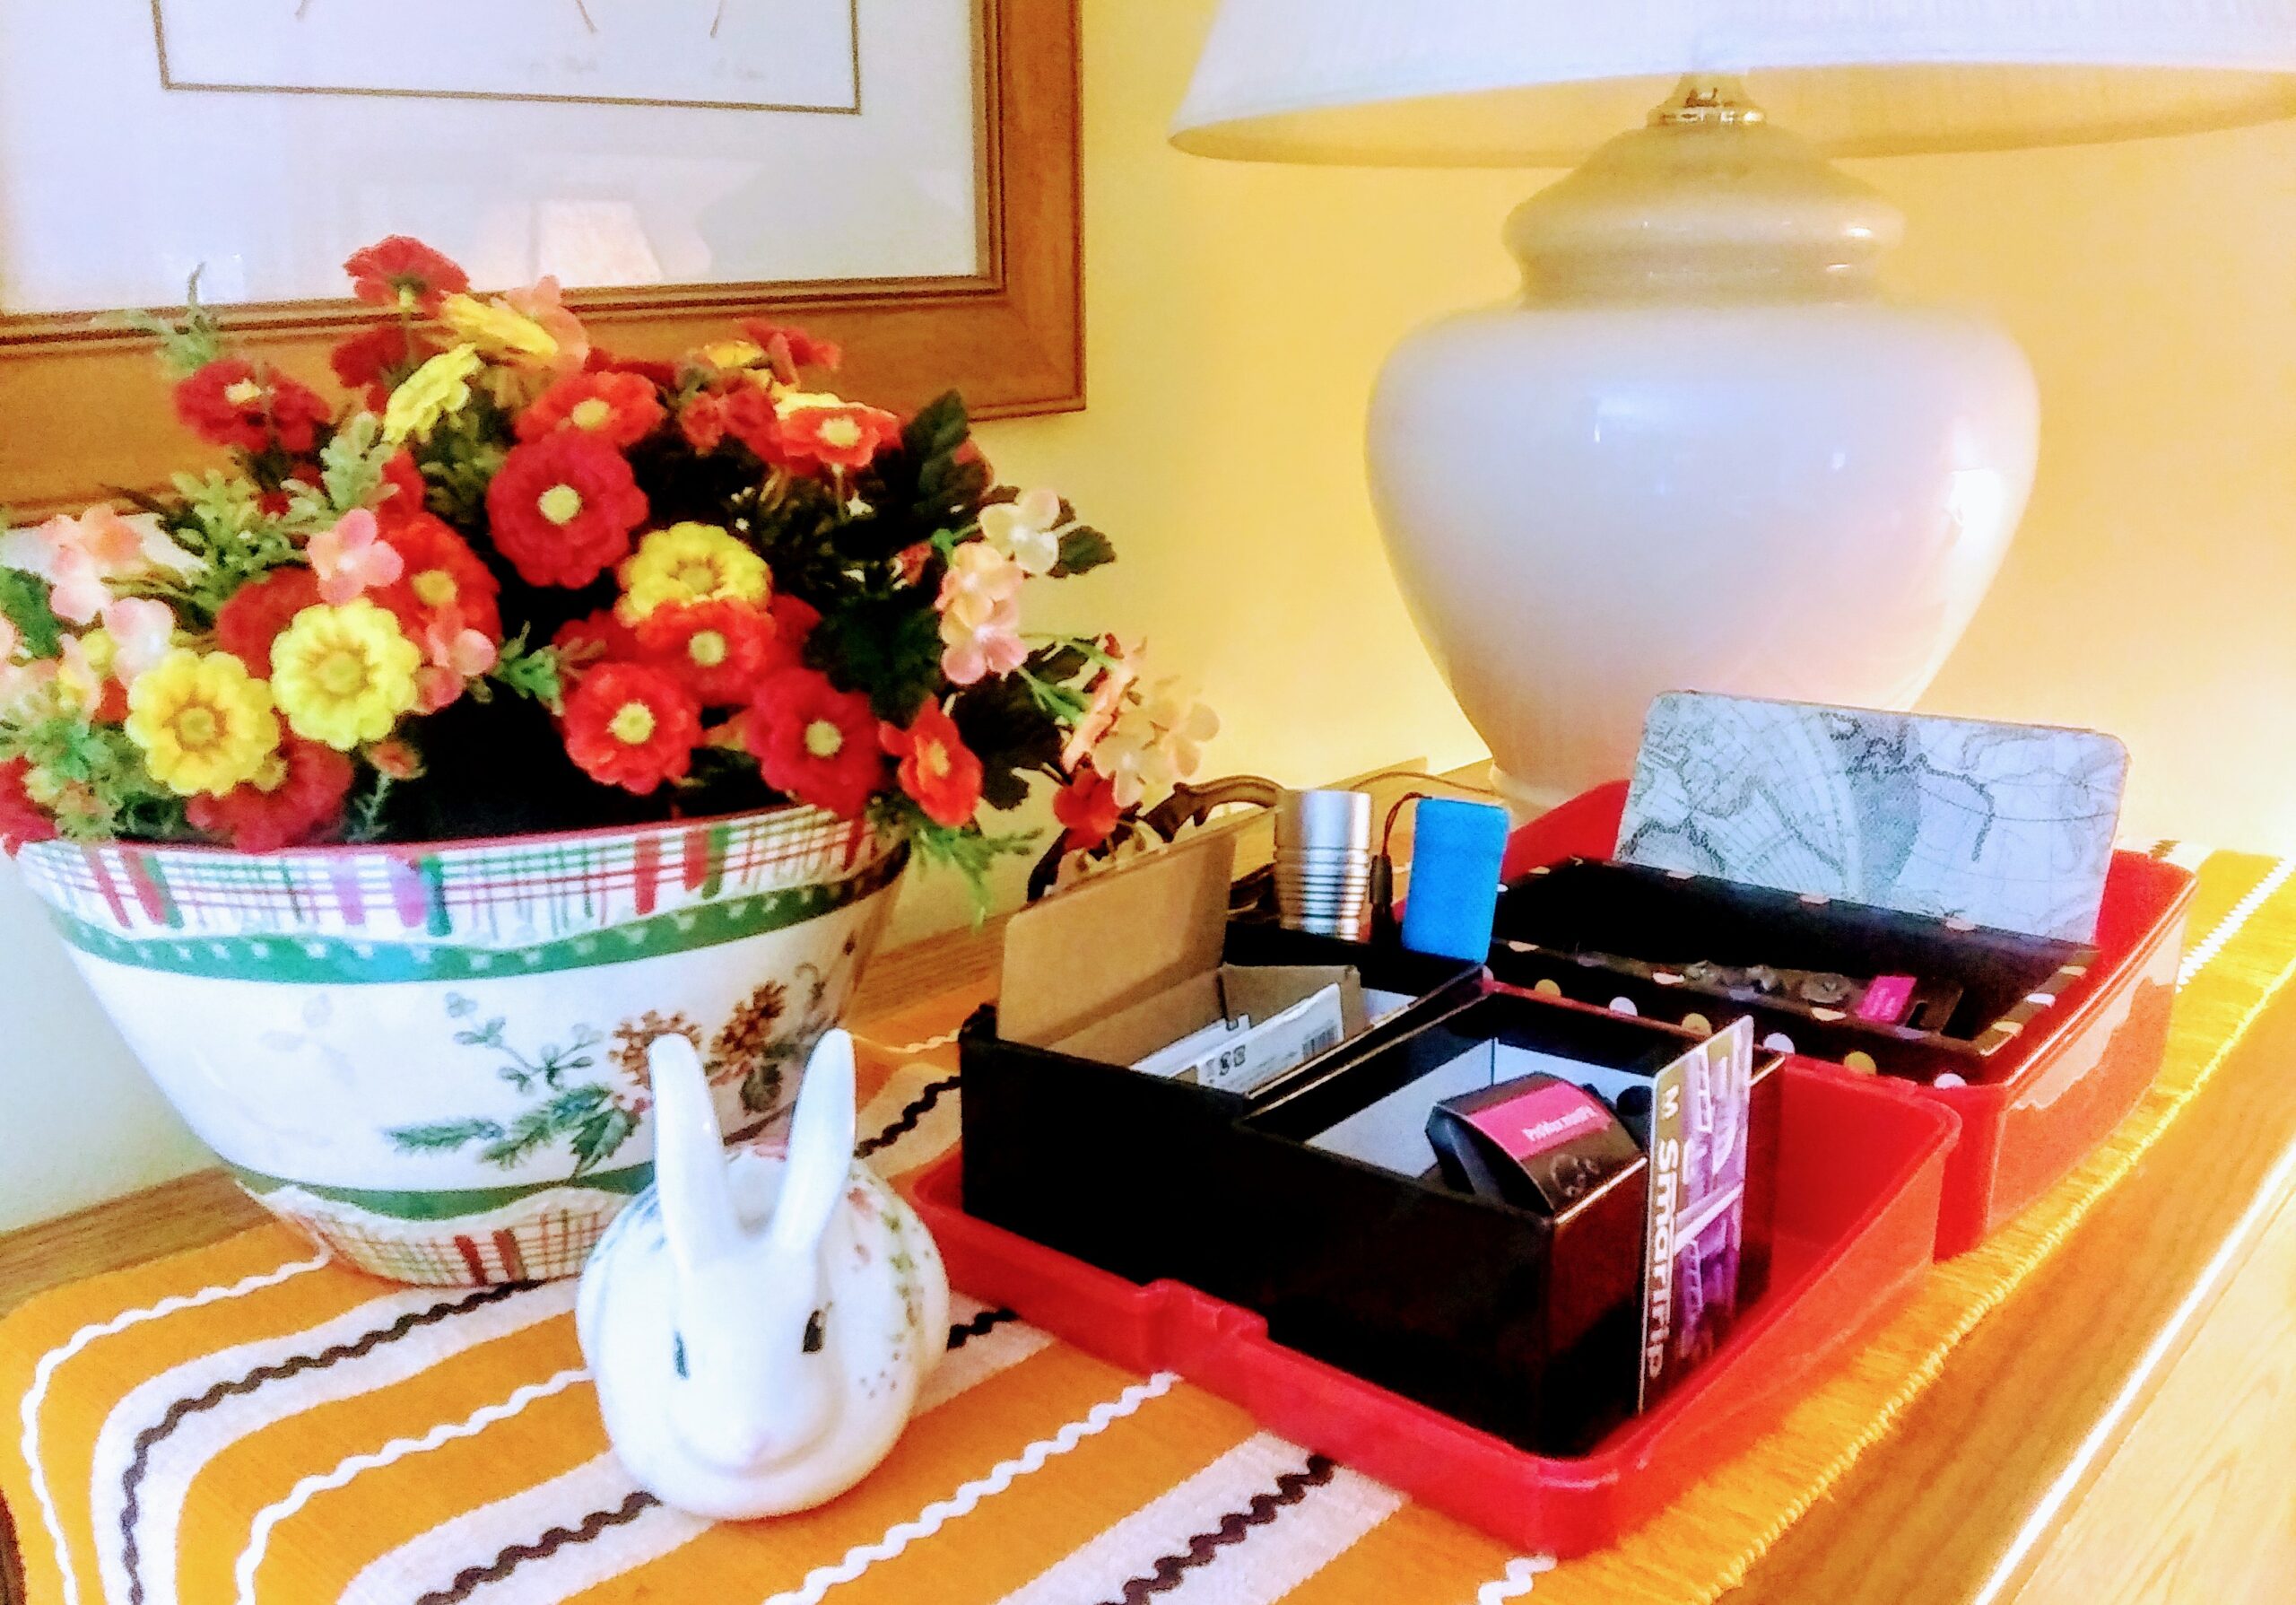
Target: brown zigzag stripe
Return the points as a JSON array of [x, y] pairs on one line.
[[1234, 1528], [150, 1438], [472, 1578], [906, 1121], [980, 1326], [597, 1521], [2163, 848]]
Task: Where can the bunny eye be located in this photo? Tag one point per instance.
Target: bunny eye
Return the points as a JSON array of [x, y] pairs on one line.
[[814, 1324], [677, 1352]]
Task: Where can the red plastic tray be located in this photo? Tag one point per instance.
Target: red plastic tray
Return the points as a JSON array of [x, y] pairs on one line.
[[2056, 1095], [1860, 1168]]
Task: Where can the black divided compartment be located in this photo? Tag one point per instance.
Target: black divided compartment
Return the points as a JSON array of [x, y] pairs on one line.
[[1597, 931], [1520, 1324]]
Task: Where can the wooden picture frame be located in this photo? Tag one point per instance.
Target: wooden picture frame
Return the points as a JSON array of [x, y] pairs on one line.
[[83, 410]]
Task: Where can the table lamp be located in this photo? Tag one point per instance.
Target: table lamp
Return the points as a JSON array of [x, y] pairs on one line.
[[1701, 449]]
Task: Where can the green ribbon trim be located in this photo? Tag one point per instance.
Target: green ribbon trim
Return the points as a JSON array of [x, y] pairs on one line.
[[457, 1204], [315, 960]]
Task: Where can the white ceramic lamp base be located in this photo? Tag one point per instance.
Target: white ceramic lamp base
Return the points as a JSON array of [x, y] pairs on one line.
[[1700, 453]]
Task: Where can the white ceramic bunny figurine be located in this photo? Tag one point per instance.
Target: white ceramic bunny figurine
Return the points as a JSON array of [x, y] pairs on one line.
[[758, 1327]]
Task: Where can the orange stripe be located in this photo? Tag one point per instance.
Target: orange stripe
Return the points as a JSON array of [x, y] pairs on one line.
[[939, 1452], [1442, 1560], [86, 1389], [1011, 1537], [343, 1530]]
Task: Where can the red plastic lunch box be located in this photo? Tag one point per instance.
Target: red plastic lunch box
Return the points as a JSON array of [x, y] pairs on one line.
[[2048, 1098], [1860, 1168]]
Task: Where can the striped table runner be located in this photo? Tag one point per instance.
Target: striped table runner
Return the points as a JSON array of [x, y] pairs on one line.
[[247, 1424]]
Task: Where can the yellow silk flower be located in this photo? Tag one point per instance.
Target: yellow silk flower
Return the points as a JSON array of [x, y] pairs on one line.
[[497, 329], [345, 675], [202, 722], [690, 562], [439, 387]]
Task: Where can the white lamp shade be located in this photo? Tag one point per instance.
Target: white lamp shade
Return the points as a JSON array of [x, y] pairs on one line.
[[1527, 83]]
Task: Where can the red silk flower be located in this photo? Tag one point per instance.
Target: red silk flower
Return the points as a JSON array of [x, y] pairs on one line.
[[1087, 810], [375, 362], [443, 586], [247, 624], [814, 742], [405, 274], [789, 350], [23, 821], [941, 774], [594, 639], [631, 725], [228, 403], [563, 509], [717, 650], [847, 436], [621, 408], [305, 805]]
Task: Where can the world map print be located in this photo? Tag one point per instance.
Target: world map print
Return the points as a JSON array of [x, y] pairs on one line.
[[2004, 826]]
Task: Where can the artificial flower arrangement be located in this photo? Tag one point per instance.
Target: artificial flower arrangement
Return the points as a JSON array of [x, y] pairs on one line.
[[517, 585]]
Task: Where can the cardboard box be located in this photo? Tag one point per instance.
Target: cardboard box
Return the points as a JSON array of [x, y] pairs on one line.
[[1125, 968], [1240, 1026]]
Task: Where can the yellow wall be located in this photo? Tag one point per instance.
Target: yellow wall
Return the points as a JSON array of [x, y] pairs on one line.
[[2151, 590], [1236, 316]]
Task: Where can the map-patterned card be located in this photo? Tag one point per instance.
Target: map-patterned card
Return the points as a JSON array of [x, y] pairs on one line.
[[2005, 826]]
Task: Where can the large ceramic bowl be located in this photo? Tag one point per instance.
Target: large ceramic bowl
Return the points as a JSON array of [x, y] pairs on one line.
[[432, 1058]]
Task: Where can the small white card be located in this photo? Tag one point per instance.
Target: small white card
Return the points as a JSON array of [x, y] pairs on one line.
[[1245, 1056]]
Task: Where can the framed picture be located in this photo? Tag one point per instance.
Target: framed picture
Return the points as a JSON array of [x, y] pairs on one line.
[[899, 175]]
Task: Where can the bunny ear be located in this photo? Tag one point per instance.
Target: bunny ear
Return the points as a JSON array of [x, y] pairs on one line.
[[821, 1147], [697, 1201]]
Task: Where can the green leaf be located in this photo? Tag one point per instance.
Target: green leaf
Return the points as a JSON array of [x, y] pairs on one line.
[[122, 798], [24, 603], [969, 851], [889, 646], [938, 488], [599, 1137], [1059, 663], [185, 347], [1011, 735], [1083, 549], [460, 460], [444, 1136], [363, 821], [350, 464], [939, 429], [531, 672]]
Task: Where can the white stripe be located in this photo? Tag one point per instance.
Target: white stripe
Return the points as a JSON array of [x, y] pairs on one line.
[[1523, 1574], [1315, 1529], [936, 1132], [430, 1562], [995, 1352], [433, 1559], [2198, 959], [173, 1464], [397, 1448], [50, 1362], [934, 1516], [1326, 1523], [1100, 1568]]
